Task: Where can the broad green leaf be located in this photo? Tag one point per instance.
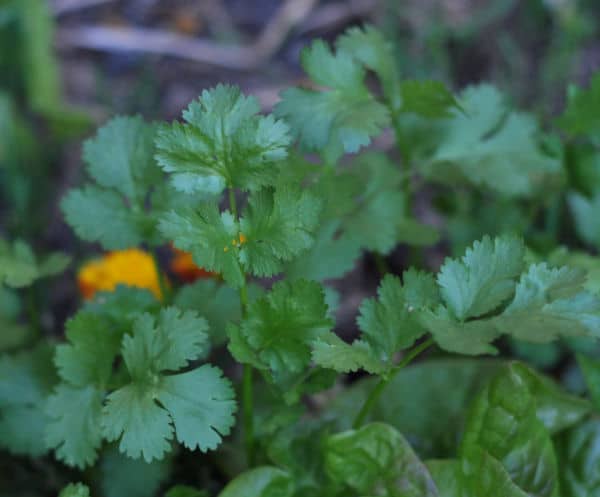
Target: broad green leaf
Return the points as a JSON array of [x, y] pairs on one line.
[[20, 267], [376, 459], [212, 237], [445, 385], [185, 491], [483, 278], [591, 372], [264, 481], [277, 225], [503, 422], [579, 451], [26, 379], [486, 144], [122, 476], [197, 405], [224, 143], [75, 490], [342, 118]]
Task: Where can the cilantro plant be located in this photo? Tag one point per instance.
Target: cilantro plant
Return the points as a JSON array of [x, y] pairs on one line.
[[246, 383]]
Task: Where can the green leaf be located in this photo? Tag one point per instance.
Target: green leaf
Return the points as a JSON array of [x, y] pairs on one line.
[[74, 428], [503, 422], [429, 99], [483, 278], [445, 385], [584, 211], [120, 156], [210, 236], [19, 267], [489, 145], [376, 459], [197, 405], [117, 210], [102, 216], [370, 48], [550, 303], [75, 490], [331, 256], [579, 451], [26, 379], [281, 327], [125, 477], [265, 481], [277, 225], [185, 491], [88, 357], [333, 353], [215, 301], [583, 108], [224, 143], [591, 372], [342, 118]]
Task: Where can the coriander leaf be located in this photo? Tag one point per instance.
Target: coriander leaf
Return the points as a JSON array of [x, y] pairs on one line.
[[224, 143], [333, 353], [75, 490], [281, 327], [277, 225], [490, 145], [503, 422], [120, 156], [19, 267], [550, 303], [342, 118], [101, 216], [74, 429], [212, 237], [429, 99], [89, 355], [377, 458], [483, 278], [125, 477], [217, 302], [197, 405], [584, 213], [469, 338], [26, 380], [581, 114], [332, 255], [370, 48], [265, 481], [117, 210]]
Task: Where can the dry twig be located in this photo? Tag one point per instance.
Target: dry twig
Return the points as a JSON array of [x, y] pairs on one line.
[[167, 43]]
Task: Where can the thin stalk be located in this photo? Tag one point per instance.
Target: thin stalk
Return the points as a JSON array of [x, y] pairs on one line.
[[247, 383], [378, 390], [165, 291]]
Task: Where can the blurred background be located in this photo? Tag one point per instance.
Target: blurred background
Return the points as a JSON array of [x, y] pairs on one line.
[[66, 66]]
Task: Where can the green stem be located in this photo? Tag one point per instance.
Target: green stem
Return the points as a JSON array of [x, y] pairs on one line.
[[247, 384], [381, 263], [165, 291], [378, 390]]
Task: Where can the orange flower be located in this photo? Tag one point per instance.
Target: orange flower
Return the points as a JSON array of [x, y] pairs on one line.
[[132, 267], [185, 268]]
